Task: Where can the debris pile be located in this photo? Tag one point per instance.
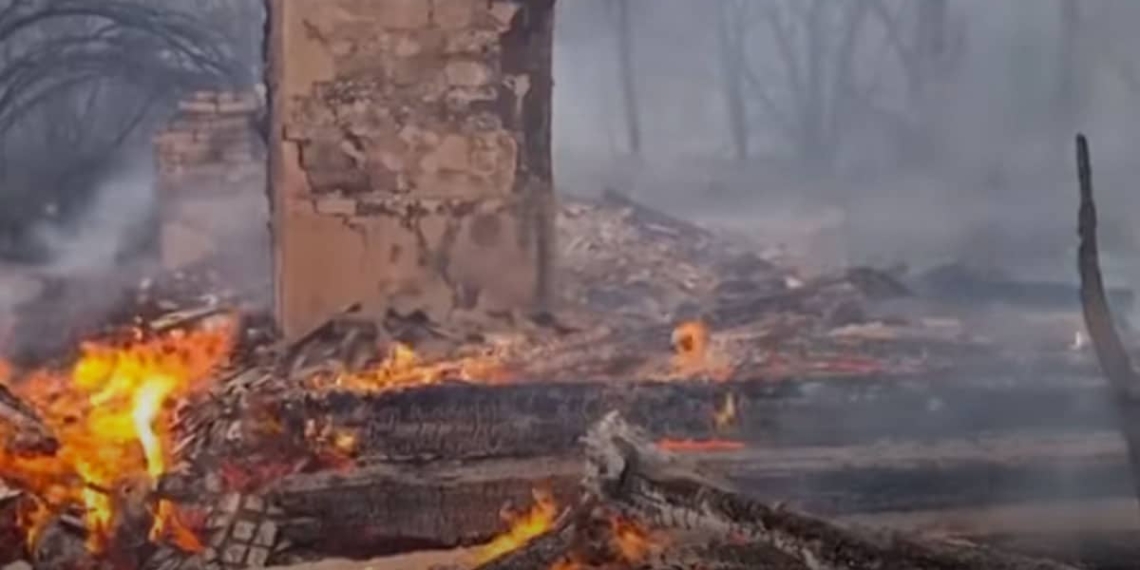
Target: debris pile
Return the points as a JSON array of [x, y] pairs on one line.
[[190, 435]]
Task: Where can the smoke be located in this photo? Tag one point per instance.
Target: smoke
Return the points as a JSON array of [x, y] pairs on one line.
[[86, 263], [116, 223], [977, 167]]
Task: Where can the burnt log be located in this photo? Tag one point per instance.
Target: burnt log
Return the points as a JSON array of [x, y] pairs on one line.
[[466, 421], [624, 468], [384, 508]]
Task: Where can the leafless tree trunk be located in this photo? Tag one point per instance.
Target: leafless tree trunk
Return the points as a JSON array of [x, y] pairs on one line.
[[730, 36], [627, 76], [1115, 363]]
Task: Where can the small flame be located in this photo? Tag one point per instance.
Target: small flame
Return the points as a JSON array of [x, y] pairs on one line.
[[632, 541], [345, 442], [403, 369], [692, 355], [698, 445], [725, 416], [524, 527]]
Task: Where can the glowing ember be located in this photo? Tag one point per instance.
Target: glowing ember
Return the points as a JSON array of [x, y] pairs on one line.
[[695, 445], [403, 369], [566, 564], [523, 528], [632, 541], [692, 356], [112, 416], [725, 416]]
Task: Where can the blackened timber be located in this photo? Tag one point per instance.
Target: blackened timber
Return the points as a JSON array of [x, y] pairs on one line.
[[463, 421], [362, 512], [624, 468]]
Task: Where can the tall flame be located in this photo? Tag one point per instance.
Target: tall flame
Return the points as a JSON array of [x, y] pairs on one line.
[[111, 415]]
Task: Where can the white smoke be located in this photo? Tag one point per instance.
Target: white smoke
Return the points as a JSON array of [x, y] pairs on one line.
[[121, 208]]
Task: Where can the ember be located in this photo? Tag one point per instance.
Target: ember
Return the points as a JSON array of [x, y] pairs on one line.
[[632, 541], [693, 356], [725, 416], [693, 445], [112, 416]]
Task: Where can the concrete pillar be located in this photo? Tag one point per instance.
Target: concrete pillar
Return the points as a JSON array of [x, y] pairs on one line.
[[410, 160]]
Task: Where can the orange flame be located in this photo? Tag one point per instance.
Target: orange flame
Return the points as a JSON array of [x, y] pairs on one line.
[[112, 417], [692, 355], [632, 541], [403, 369], [523, 527]]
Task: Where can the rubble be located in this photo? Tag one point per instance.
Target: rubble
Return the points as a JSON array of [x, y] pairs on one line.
[[370, 435]]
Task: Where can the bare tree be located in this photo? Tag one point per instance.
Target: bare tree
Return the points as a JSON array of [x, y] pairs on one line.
[[809, 90], [78, 80], [731, 33]]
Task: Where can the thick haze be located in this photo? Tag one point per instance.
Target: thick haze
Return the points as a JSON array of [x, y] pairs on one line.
[[899, 132], [977, 163]]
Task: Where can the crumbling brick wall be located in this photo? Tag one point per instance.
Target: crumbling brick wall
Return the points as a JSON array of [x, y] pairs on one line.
[[410, 155], [211, 178]]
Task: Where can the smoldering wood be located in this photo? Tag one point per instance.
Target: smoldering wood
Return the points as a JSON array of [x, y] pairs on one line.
[[547, 549], [624, 468], [466, 421], [1115, 362], [436, 504]]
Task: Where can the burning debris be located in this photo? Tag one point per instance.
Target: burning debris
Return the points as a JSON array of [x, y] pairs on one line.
[[191, 436]]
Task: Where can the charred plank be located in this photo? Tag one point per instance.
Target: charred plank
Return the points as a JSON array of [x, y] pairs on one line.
[[624, 468]]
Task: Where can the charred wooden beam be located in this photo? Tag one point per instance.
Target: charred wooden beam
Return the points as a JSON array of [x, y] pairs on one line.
[[626, 469], [463, 421], [1113, 357], [367, 511]]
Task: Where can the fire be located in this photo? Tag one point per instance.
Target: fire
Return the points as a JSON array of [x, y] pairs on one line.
[[695, 445], [725, 416], [523, 527], [403, 369], [632, 541], [692, 355], [112, 414]]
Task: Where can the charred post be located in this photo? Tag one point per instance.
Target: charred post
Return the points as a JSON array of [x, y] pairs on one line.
[[1110, 352]]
